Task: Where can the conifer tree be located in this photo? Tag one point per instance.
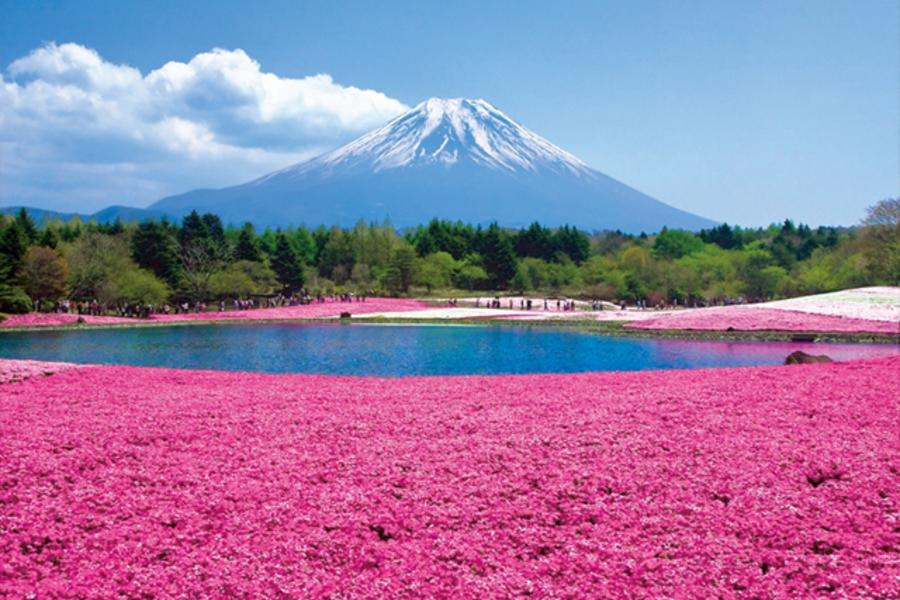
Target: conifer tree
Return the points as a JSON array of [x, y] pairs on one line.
[[247, 247], [287, 265]]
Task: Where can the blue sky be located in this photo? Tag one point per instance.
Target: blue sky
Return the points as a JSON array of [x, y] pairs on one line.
[[748, 112]]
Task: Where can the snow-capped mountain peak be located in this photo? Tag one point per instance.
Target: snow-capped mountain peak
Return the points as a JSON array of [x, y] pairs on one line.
[[447, 132], [456, 159]]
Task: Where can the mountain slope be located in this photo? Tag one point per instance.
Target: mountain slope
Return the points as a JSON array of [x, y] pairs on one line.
[[452, 159], [110, 214]]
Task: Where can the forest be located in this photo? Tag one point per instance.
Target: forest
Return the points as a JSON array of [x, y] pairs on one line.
[[201, 260]]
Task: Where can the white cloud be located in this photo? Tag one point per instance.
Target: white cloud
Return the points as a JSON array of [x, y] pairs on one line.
[[79, 132]]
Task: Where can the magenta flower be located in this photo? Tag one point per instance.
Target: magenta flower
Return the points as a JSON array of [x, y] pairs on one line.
[[751, 318], [308, 311], [768, 482]]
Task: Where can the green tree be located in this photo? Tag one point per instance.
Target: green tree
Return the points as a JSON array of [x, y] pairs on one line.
[[244, 278], [573, 243], [48, 238], [498, 257], [305, 245], [535, 242], [26, 224], [470, 275], [287, 265], [401, 270], [193, 228], [13, 245], [337, 256], [94, 258], [533, 273], [443, 236], [675, 243], [154, 247], [44, 273], [435, 270], [13, 299], [202, 250], [139, 286], [247, 247], [881, 236], [101, 268], [723, 236], [761, 275]]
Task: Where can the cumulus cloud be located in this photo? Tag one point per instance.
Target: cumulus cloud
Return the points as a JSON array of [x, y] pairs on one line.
[[79, 132]]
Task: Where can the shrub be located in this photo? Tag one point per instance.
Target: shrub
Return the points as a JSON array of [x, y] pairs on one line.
[[14, 300]]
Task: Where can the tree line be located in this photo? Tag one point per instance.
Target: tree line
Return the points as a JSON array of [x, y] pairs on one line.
[[201, 260]]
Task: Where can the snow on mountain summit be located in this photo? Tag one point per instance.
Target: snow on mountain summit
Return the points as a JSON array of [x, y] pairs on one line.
[[447, 132], [455, 159]]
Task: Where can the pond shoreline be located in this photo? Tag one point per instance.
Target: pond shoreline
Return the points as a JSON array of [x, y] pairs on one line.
[[610, 327]]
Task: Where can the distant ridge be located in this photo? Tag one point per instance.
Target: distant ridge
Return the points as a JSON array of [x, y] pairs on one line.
[[126, 214]]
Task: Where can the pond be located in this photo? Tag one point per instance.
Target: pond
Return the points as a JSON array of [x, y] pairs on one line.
[[398, 350]]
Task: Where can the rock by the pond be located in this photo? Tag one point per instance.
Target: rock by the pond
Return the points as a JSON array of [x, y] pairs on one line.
[[802, 358]]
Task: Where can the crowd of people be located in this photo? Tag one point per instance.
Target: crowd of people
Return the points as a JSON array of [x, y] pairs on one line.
[[565, 304], [144, 311], [525, 303], [125, 309]]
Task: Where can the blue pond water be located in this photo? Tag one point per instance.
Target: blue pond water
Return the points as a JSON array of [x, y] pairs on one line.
[[394, 350]]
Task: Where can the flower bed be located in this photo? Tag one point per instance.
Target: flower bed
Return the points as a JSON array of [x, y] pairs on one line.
[[756, 482], [754, 318], [58, 320], [871, 303], [315, 310], [12, 371]]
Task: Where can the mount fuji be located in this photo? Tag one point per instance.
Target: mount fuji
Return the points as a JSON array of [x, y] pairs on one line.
[[454, 159]]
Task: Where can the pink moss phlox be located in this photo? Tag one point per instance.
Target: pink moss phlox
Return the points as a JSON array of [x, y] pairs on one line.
[[749, 318], [770, 482], [12, 371], [315, 310]]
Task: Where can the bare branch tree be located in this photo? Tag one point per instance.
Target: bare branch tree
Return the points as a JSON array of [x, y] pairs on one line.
[[885, 213]]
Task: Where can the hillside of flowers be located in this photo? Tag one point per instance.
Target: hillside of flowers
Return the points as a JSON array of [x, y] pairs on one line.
[[760, 318], [316, 310], [768, 482], [876, 303]]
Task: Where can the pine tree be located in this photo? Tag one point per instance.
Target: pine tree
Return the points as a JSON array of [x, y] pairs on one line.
[[536, 241], [114, 228], [287, 265], [572, 243], [215, 236], [49, 238], [153, 247], [247, 247], [499, 257], [27, 226], [192, 229], [13, 244]]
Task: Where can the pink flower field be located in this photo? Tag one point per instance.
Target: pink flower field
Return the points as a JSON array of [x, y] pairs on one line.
[[751, 318], [19, 370], [36, 319], [767, 482], [309, 311]]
